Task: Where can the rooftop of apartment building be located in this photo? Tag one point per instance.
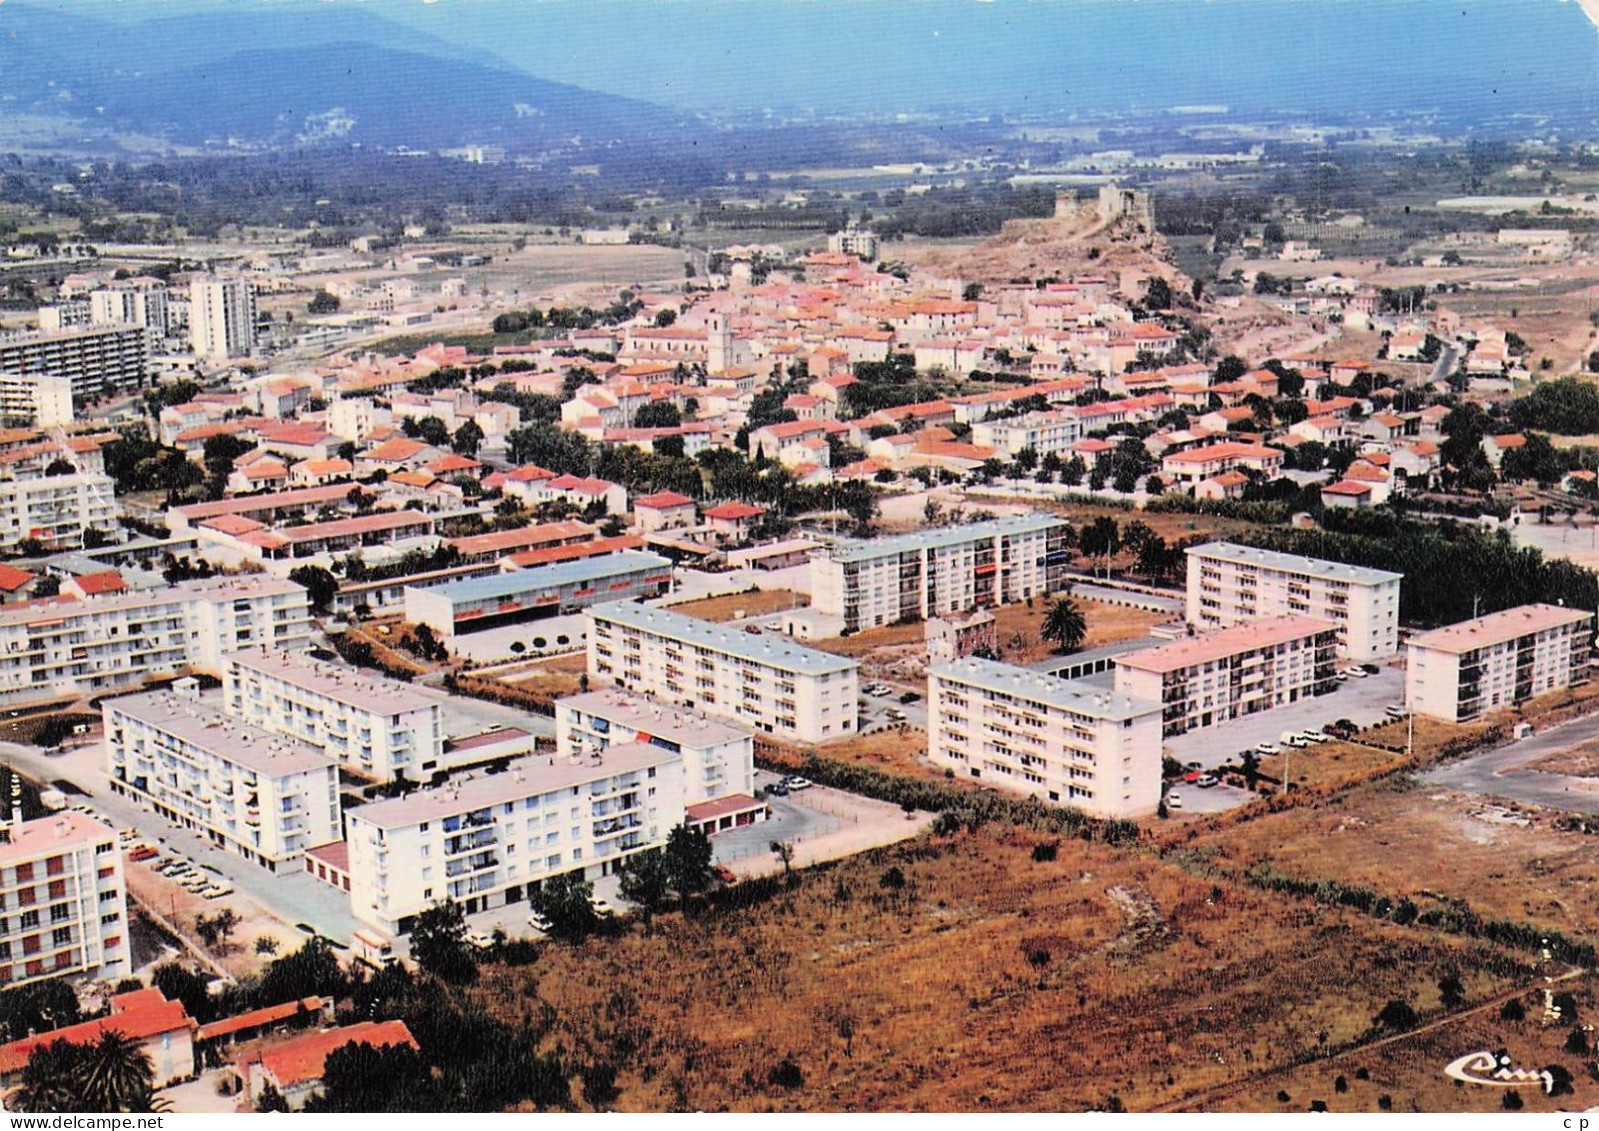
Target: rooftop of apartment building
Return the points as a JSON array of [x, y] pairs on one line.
[[525, 777], [1077, 696], [200, 721], [856, 551], [763, 649], [368, 693], [646, 718], [1292, 563], [1208, 646], [1497, 628]]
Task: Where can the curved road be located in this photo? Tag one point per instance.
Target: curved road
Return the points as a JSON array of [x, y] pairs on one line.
[[1504, 772]]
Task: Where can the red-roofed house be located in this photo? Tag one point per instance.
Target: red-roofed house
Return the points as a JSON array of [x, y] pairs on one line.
[[95, 584], [295, 1067], [733, 520], [162, 1029], [1188, 468], [1495, 447], [664, 510], [1346, 494], [14, 584]]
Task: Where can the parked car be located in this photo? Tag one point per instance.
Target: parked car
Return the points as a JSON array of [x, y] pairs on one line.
[[777, 789], [1396, 710], [1205, 781], [725, 874], [795, 782], [896, 714], [877, 690], [480, 940], [1267, 748], [1192, 776], [539, 922], [1297, 741], [142, 853], [1313, 736], [1174, 801], [217, 891], [1370, 669], [1343, 728], [909, 697], [1193, 767], [602, 907], [1357, 671]]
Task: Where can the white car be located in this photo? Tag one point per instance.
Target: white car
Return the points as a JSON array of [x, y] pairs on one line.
[[480, 940], [1357, 672], [1315, 736], [217, 891], [1396, 711], [1266, 748], [1174, 801], [539, 922], [602, 907]]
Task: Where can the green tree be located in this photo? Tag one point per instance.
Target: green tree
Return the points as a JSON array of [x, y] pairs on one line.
[[1065, 625], [688, 861], [439, 946], [645, 880], [270, 1099], [468, 439], [567, 901], [320, 585], [323, 302], [116, 1074]]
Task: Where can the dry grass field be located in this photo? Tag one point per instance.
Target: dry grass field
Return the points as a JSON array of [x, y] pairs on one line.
[[737, 605], [1107, 624], [900, 751], [964, 974]]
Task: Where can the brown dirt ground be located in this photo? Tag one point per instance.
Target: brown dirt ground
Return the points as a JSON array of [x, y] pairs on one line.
[[1107, 624], [734, 605], [986, 981]]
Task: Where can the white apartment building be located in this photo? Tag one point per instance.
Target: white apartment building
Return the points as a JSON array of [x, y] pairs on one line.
[[1229, 584], [96, 359], [1215, 677], [1466, 670], [55, 510], [63, 902], [1045, 432], [376, 727], [484, 841], [40, 399], [221, 316], [133, 302], [1066, 742], [718, 756], [768, 683], [63, 649], [933, 572], [259, 795]]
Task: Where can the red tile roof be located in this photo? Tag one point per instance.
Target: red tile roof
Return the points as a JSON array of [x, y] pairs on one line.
[[663, 500], [301, 1060], [138, 1016], [256, 1018], [12, 578]]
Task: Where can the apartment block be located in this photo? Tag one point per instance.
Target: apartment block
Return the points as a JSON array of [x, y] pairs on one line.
[[1230, 584], [550, 590], [55, 510], [1466, 670], [259, 795], [376, 727], [930, 573], [221, 317], [96, 359], [63, 902], [1066, 742], [718, 756], [1045, 432], [133, 302], [63, 649], [42, 400], [1216, 677], [768, 683], [484, 841]]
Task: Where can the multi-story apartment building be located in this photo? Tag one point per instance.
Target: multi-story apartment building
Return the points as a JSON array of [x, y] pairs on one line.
[[932, 572], [475, 603], [43, 400], [718, 756], [63, 649], [769, 683], [96, 359], [55, 510], [1054, 430], [133, 302], [1066, 742], [1229, 584], [259, 795], [1466, 670], [221, 316], [485, 841], [373, 726], [63, 903], [1215, 677]]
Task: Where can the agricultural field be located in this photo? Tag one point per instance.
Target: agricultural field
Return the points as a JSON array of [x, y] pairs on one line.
[[980, 971]]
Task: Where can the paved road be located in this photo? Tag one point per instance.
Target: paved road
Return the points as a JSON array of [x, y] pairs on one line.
[[1503, 772], [292, 897]]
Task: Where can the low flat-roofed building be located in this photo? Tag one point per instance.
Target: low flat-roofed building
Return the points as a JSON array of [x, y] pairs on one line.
[[1063, 742], [519, 595], [1215, 677], [260, 795], [485, 839], [1466, 670], [763, 680], [718, 755]]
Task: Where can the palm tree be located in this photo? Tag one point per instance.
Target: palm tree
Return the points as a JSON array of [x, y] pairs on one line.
[[50, 1080], [117, 1075], [1064, 624]]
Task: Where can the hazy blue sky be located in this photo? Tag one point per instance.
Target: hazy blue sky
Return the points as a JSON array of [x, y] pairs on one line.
[[1010, 55]]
